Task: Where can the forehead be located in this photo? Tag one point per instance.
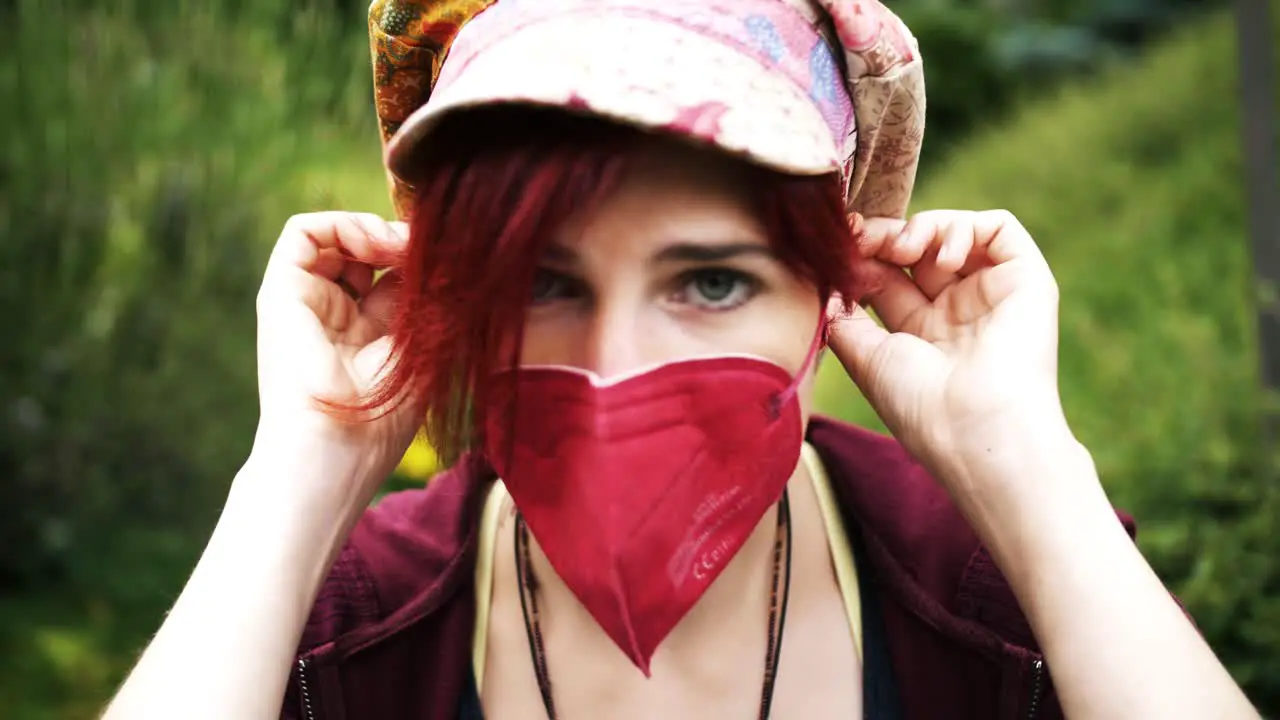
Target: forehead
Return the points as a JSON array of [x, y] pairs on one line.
[[670, 192]]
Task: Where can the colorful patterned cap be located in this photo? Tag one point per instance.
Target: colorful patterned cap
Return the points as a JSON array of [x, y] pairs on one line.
[[802, 86]]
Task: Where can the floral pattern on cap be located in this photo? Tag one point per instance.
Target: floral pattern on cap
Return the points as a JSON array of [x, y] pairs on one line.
[[408, 41]]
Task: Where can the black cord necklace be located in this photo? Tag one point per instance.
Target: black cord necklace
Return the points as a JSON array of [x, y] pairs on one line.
[[777, 609]]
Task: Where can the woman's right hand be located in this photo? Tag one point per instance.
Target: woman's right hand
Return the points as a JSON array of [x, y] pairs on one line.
[[322, 336]]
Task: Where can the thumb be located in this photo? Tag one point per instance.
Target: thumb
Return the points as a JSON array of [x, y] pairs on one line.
[[854, 337], [372, 367], [373, 363]]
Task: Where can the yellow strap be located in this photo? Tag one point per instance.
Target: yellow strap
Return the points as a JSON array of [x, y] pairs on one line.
[[838, 541], [494, 502]]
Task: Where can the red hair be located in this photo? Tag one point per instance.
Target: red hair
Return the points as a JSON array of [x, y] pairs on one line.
[[498, 183]]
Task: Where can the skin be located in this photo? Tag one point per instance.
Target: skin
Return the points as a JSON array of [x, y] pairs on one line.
[[963, 372]]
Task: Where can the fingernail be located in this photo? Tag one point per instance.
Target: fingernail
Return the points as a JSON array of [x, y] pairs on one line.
[[855, 223], [944, 254]]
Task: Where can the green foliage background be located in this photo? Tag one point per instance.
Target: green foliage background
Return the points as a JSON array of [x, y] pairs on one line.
[[150, 151]]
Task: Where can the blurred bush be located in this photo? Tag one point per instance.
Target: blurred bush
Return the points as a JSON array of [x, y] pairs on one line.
[[1133, 185], [142, 178], [149, 154], [983, 57], [155, 148]]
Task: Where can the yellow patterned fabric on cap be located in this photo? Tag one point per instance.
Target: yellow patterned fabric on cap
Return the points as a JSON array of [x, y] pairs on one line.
[[409, 40]]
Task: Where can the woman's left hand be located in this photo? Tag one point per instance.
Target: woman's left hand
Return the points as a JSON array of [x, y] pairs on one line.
[[965, 374], [964, 370]]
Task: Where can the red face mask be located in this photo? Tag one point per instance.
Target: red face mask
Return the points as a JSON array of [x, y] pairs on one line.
[[641, 489]]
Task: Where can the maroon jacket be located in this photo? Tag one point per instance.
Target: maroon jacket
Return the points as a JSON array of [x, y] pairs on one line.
[[390, 633]]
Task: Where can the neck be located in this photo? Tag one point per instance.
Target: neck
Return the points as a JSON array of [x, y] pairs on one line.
[[736, 604]]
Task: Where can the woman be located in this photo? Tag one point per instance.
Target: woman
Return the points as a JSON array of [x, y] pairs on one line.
[[614, 302]]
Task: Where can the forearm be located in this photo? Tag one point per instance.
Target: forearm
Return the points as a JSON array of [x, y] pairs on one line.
[[226, 648], [1115, 641]]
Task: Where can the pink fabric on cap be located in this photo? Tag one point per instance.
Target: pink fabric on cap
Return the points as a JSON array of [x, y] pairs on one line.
[[752, 77], [801, 86]]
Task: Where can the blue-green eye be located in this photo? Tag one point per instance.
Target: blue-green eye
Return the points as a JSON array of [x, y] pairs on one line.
[[718, 288], [549, 286]]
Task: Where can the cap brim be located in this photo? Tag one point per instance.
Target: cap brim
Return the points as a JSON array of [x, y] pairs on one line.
[[695, 86]]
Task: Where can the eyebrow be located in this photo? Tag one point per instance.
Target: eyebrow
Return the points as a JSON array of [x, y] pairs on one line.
[[679, 252], [559, 254], [693, 252]]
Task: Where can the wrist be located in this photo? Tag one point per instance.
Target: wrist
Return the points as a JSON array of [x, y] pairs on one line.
[[299, 494], [1000, 448], [303, 486], [1032, 477], [320, 462]]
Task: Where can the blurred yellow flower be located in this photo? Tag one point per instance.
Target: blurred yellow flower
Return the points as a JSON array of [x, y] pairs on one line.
[[420, 461]]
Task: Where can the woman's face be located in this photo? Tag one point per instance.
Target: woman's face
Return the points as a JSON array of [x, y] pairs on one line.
[[672, 266]]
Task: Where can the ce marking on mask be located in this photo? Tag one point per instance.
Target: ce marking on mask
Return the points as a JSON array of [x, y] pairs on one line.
[[693, 558]]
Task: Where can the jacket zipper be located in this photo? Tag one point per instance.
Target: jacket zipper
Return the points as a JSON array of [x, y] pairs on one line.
[[1037, 688], [307, 708]]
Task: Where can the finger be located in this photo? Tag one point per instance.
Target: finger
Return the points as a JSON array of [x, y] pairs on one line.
[[854, 339], [354, 278], [326, 299], [365, 238], [896, 297], [977, 261], [1005, 239], [328, 263], [376, 226], [940, 268], [1016, 261], [372, 362], [379, 303], [357, 278], [957, 244], [930, 278], [920, 235], [876, 232]]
